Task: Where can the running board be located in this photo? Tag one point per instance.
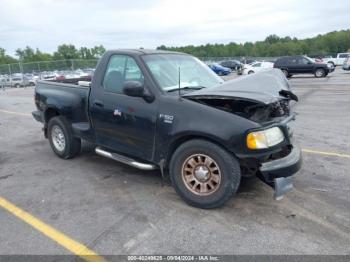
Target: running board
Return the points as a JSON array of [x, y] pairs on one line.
[[124, 159]]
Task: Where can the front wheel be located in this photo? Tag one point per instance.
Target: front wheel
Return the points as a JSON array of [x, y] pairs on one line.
[[331, 65], [204, 174], [62, 141], [320, 72]]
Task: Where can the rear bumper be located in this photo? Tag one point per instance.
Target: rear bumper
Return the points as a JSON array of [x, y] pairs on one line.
[[38, 116]]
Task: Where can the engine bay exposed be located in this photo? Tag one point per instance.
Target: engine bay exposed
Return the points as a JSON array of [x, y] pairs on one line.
[[255, 111]]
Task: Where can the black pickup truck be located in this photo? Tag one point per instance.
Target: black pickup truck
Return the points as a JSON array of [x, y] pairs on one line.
[[168, 111]]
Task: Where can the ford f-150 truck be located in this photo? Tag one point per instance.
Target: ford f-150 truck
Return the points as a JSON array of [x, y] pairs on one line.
[[163, 110]]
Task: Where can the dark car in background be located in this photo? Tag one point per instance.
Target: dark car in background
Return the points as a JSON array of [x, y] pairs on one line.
[[234, 65], [293, 65], [219, 69]]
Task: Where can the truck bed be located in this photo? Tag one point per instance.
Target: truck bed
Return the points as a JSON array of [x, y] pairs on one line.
[[68, 99]]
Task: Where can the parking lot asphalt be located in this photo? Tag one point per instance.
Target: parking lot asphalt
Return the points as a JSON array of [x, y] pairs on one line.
[[114, 209]]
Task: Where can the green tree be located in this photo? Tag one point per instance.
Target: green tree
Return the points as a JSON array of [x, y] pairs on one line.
[[98, 51], [273, 45], [28, 55], [66, 52], [4, 58]]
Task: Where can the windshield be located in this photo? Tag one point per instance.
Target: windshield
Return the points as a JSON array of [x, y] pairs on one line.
[[193, 73], [310, 59]]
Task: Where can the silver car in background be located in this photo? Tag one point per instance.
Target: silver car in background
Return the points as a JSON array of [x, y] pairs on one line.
[[15, 81], [346, 65]]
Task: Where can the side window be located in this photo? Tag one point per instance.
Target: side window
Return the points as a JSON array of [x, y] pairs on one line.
[[293, 61], [132, 71], [343, 55], [257, 65], [302, 61], [121, 68]]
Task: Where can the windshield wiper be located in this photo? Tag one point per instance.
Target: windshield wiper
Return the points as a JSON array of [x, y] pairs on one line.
[[186, 88]]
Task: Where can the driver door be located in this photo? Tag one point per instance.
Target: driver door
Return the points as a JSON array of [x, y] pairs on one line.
[[123, 123]]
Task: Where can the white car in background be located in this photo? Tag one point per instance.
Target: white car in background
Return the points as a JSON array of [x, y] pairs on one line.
[[256, 67], [337, 61]]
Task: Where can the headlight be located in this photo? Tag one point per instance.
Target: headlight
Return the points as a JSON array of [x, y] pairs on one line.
[[265, 138]]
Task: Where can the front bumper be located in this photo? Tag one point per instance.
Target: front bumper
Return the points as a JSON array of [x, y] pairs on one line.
[[277, 173], [38, 116], [283, 167]]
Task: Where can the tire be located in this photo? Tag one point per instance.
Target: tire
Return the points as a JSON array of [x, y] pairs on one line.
[[331, 65], [187, 163], [62, 142], [320, 72], [250, 72], [17, 85]]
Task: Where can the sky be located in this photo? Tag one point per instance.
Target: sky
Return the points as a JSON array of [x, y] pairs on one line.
[[45, 24]]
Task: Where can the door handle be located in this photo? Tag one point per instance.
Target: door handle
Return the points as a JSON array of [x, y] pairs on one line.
[[98, 103]]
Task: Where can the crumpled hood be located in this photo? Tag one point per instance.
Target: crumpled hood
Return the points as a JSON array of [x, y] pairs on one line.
[[266, 87]]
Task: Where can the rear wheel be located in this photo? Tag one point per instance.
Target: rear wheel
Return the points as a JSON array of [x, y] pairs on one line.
[[250, 72], [62, 142], [204, 174], [320, 72]]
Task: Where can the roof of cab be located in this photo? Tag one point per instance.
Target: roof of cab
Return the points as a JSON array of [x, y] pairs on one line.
[[143, 51]]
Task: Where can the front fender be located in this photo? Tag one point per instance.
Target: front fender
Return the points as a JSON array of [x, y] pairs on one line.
[[190, 119]]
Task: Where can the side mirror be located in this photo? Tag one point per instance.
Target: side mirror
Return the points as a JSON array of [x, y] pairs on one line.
[[136, 89], [309, 63], [133, 88]]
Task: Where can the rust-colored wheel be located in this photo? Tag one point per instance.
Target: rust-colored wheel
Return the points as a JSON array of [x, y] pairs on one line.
[[204, 174], [201, 174]]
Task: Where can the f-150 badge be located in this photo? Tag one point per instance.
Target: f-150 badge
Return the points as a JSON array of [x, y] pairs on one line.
[[167, 118]]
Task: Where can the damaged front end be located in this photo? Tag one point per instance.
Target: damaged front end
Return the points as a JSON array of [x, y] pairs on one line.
[[252, 110], [264, 98]]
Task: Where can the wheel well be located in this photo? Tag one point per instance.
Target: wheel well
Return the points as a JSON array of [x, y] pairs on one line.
[[175, 144], [320, 68], [50, 113]]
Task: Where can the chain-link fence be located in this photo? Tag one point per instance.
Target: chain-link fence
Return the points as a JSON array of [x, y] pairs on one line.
[[47, 66], [242, 59], [26, 74], [75, 64], [23, 74]]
